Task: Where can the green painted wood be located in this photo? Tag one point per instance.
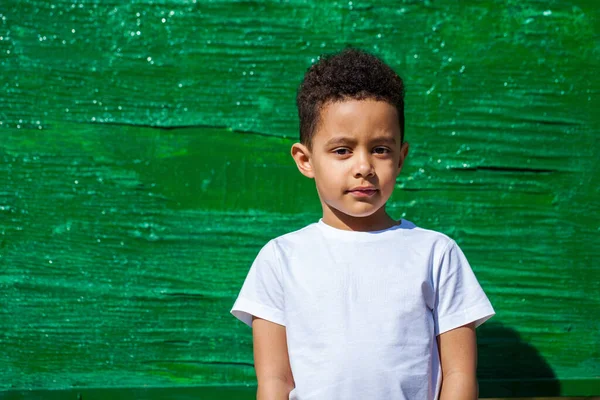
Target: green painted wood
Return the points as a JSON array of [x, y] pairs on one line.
[[249, 392], [141, 173], [175, 393]]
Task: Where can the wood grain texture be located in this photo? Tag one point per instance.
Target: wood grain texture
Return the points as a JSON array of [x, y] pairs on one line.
[[144, 160], [177, 393]]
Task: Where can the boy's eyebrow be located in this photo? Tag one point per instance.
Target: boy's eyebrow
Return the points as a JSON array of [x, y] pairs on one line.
[[343, 140], [384, 139], [340, 141]]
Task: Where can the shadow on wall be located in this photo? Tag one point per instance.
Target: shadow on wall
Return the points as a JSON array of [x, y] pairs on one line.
[[510, 367]]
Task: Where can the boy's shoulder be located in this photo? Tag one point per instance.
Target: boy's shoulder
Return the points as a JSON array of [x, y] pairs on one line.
[[416, 232], [296, 236]]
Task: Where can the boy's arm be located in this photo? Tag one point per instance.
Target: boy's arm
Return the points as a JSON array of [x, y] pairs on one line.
[[458, 357], [271, 360]]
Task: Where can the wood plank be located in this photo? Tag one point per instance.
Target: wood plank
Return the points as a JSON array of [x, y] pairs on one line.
[[179, 393], [118, 257]]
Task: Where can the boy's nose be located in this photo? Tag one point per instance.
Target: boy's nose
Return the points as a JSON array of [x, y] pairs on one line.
[[363, 167]]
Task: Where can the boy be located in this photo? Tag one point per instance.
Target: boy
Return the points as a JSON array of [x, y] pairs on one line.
[[359, 306]]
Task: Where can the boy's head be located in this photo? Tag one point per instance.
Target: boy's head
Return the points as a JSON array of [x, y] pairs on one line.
[[351, 110], [350, 74]]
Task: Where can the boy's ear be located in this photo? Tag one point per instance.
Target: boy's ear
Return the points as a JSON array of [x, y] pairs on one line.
[[403, 155], [301, 156]]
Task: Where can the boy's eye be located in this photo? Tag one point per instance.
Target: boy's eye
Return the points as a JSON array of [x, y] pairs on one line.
[[381, 150], [341, 152]]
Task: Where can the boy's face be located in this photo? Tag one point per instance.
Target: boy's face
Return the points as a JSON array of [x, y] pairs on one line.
[[355, 158]]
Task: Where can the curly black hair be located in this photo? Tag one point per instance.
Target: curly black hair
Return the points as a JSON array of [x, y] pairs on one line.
[[349, 74]]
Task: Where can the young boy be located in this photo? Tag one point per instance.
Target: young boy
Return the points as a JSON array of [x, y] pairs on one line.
[[359, 306]]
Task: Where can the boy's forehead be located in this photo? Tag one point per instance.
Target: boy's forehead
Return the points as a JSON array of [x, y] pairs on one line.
[[358, 119]]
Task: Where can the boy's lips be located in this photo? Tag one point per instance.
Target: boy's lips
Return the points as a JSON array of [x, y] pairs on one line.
[[366, 191]]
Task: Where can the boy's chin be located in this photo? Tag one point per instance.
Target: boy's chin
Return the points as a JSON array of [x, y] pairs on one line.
[[364, 212]]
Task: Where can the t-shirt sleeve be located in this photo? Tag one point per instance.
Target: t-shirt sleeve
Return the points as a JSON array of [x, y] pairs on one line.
[[459, 299], [261, 294]]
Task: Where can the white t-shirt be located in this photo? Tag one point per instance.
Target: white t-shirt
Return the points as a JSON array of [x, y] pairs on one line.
[[362, 309]]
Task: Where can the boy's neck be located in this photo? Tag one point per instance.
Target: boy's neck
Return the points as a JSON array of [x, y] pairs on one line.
[[377, 221]]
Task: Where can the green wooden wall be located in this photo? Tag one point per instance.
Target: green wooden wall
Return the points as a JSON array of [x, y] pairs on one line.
[[144, 162]]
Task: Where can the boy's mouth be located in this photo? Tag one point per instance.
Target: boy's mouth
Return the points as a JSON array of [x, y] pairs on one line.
[[362, 191]]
